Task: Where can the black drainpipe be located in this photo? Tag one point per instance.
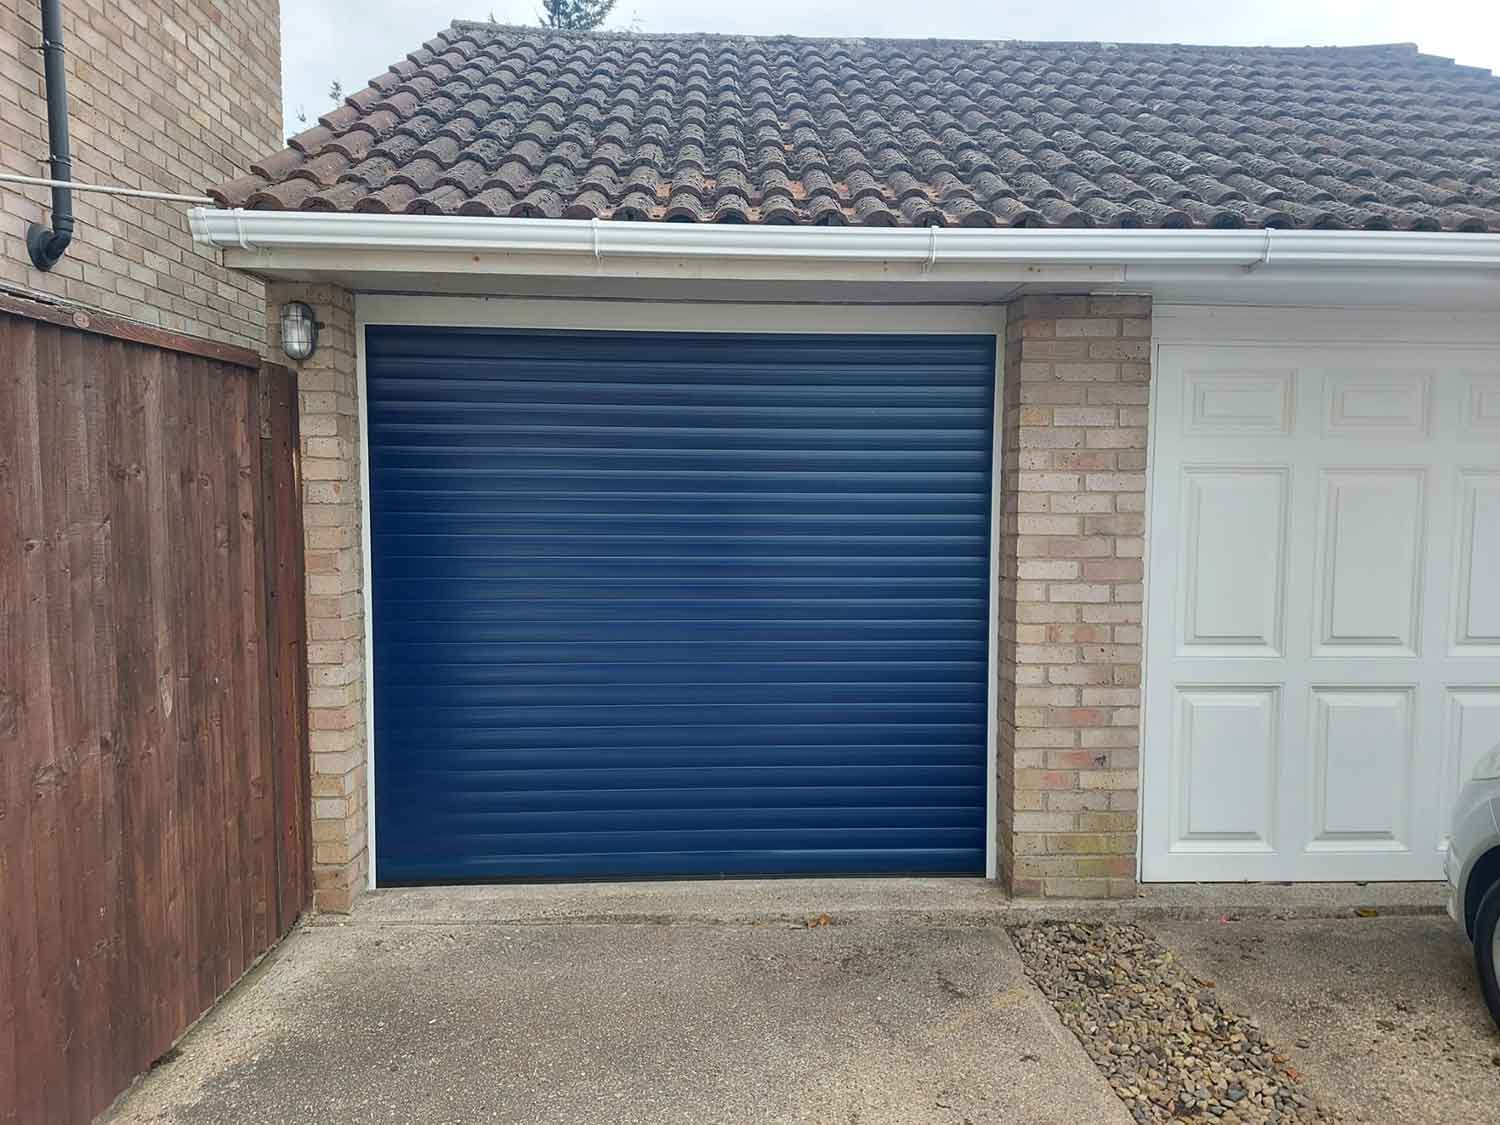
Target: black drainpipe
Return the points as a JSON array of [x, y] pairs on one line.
[[47, 245]]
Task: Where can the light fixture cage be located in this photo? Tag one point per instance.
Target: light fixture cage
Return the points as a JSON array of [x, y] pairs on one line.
[[299, 330]]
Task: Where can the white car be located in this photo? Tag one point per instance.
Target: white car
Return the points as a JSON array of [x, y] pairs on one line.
[[1473, 869]]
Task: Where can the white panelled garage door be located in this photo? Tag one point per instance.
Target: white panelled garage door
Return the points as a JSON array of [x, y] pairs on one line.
[[1323, 642]]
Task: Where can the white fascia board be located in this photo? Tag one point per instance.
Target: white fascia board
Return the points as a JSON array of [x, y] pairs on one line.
[[268, 240]]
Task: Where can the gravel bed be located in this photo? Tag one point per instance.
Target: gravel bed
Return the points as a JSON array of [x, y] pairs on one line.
[[1168, 1048]]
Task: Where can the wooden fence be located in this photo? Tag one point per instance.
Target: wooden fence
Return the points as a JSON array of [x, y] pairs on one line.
[[153, 793]]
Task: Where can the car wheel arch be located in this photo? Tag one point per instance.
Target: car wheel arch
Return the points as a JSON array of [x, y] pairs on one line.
[[1482, 876]]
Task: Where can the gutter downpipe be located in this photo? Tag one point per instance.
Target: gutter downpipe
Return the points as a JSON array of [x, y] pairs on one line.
[[47, 245]]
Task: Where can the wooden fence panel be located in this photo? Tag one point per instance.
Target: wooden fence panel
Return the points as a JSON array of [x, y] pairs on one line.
[[285, 654], [154, 832]]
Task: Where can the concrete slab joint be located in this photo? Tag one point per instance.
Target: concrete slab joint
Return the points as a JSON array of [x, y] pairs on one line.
[[1073, 485], [328, 388]]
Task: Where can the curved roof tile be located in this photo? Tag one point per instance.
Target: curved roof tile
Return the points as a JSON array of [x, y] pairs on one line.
[[492, 120]]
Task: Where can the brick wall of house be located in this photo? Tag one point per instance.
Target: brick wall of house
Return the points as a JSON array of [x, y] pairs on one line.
[[1077, 381], [328, 393], [166, 95]]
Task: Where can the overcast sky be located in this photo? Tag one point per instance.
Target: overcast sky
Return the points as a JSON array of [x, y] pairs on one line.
[[354, 40]]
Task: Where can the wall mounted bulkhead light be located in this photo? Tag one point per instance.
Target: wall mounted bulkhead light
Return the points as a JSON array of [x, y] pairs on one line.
[[299, 330]]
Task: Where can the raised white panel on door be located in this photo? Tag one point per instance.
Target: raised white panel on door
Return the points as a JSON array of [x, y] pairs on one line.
[[1360, 404], [1233, 403], [1233, 557], [1476, 623], [1362, 744], [1224, 750], [1481, 407], [1371, 540]]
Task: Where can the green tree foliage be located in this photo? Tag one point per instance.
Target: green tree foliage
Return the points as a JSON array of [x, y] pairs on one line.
[[575, 15]]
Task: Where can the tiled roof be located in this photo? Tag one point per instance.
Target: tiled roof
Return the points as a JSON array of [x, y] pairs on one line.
[[493, 120]]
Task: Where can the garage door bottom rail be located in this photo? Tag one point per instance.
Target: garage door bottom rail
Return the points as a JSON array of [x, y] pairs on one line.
[[960, 864]]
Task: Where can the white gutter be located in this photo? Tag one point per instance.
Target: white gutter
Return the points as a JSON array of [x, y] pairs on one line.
[[1277, 250]]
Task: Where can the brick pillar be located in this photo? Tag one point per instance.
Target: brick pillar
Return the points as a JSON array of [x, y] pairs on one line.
[[328, 389], [1077, 379]]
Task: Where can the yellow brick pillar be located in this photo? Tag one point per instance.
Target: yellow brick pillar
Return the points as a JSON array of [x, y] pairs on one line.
[[1077, 385], [328, 392]]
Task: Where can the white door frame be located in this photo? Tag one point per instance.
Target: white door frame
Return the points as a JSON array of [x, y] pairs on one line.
[[652, 316], [1418, 330]]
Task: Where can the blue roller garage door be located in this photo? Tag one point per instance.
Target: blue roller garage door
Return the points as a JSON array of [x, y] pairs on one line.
[[678, 604]]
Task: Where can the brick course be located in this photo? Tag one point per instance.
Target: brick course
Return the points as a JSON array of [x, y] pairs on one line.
[[165, 95], [1077, 385]]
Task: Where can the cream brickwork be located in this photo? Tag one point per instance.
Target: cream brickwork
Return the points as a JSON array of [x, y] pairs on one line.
[[166, 95], [328, 394], [1077, 381]]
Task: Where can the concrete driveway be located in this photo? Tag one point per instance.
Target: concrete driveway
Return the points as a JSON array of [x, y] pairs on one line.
[[1382, 1016], [381, 1020], [720, 1003]]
